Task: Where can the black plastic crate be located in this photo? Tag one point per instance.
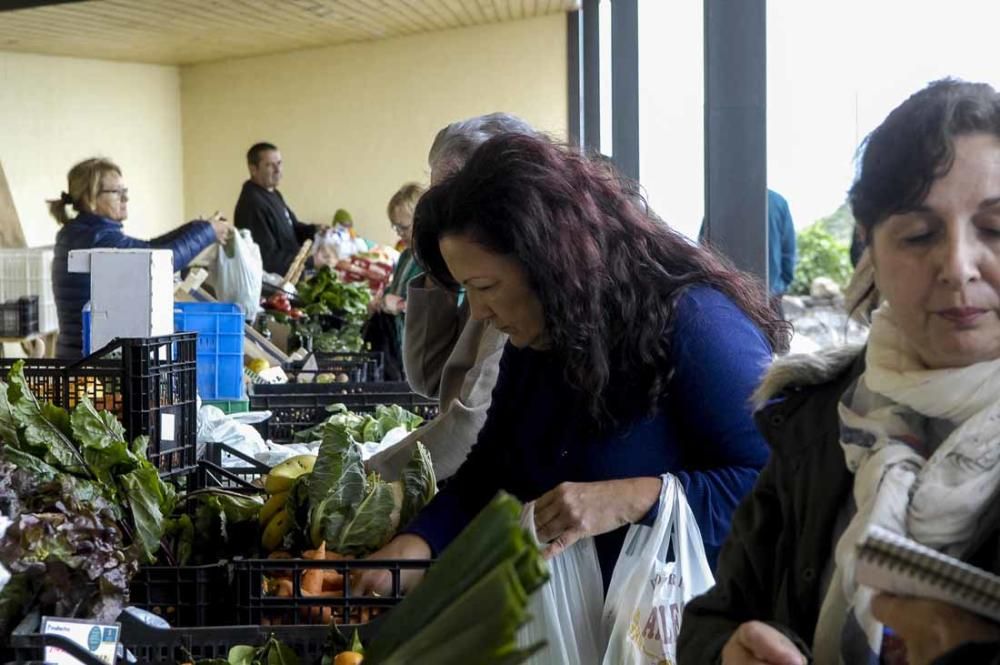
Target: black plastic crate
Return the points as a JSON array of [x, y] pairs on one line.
[[149, 384], [298, 406], [186, 596], [360, 367], [242, 478], [149, 644], [19, 318], [257, 583]]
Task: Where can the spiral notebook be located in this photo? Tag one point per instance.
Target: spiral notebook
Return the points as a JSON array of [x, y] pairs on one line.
[[895, 564]]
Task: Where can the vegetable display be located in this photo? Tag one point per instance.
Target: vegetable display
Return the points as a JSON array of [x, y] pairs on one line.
[[324, 296], [472, 601], [86, 507], [362, 427], [328, 499]]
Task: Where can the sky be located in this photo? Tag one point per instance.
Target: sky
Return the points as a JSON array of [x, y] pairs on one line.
[[834, 71]]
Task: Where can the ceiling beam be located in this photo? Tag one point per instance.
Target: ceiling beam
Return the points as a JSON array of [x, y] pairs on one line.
[[11, 5]]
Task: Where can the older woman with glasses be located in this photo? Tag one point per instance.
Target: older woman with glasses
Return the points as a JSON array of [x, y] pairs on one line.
[[97, 192]]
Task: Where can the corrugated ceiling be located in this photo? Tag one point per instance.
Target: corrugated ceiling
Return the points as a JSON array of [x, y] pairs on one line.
[[177, 32]]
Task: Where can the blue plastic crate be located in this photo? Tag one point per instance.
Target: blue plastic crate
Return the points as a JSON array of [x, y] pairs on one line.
[[220, 346]]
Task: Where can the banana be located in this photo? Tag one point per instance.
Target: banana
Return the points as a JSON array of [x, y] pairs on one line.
[[271, 507], [281, 477], [275, 531]]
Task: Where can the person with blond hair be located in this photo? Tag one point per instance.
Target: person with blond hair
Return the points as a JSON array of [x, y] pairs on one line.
[[384, 329], [97, 194]]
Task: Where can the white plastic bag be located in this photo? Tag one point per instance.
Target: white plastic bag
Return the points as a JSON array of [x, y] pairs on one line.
[[566, 611], [647, 593], [214, 426], [239, 277]]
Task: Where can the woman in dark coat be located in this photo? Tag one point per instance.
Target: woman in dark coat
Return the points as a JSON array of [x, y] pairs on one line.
[[97, 192], [903, 435]]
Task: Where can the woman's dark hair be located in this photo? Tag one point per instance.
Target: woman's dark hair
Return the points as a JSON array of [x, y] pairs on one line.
[[608, 274], [900, 160], [915, 145]]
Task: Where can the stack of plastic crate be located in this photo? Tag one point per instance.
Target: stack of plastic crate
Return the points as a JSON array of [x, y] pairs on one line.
[[28, 272]]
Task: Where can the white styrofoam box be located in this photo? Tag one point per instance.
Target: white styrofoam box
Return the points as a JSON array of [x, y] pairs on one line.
[[131, 292], [28, 272]]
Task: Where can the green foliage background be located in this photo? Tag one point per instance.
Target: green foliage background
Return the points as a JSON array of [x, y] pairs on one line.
[[824, 251]]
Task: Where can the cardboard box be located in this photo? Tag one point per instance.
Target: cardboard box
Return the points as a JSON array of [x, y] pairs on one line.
[[131, 292]]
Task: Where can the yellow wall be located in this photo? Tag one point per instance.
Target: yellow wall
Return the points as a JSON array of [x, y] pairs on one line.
[[354, 122], [56, 111]]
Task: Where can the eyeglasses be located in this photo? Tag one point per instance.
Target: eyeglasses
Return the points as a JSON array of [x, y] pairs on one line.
[[399, 228], [122, 192]]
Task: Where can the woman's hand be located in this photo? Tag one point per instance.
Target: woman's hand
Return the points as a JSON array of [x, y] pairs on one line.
[[573, 511], [379, 582], [930, 628], [393, 304], [756, 643]]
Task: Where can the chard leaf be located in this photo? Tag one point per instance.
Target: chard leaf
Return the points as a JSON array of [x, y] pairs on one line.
[[368, 527], [8, 426], [419, 484], [28, 462], [146, 494], [46, 427], [139, 446], [102, 439]]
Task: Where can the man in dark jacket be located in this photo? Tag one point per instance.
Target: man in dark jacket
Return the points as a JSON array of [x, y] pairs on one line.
[[263, 211]]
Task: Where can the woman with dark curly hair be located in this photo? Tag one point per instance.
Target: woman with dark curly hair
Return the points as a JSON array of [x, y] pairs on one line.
[[633, 353]]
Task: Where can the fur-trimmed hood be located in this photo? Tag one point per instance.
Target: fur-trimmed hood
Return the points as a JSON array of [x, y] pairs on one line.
[[804, 369]]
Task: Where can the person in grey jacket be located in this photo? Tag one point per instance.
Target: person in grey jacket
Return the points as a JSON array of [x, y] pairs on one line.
[[446, 355], [904, 435]]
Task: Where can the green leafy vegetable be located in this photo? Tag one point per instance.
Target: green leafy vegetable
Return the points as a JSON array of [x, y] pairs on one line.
[[85, 506], [419, 484], [353, 513], [224, 525], [361, 428], [323, 295], [66, 547], [44, 428], [102, 439], [142, 487], [473, 599]]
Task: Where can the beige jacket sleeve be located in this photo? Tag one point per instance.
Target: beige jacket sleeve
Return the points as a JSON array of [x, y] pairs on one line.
[[433, 324], [467, 381]]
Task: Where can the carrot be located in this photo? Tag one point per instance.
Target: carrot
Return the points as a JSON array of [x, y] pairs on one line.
[[281, 587], [318, 553], [321, 614], [312, 581], [332, 581]]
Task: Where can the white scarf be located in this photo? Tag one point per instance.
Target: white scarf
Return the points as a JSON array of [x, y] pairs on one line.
[[895, 413]]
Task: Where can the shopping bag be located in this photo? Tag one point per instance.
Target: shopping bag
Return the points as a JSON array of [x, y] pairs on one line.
[[240, 273], [659, 569], [566, 611]]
